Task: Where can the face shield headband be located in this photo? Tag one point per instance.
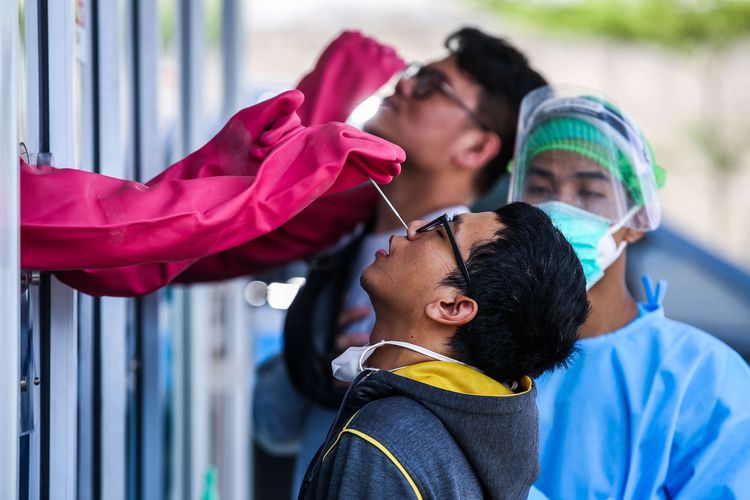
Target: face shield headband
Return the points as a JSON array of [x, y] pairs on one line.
[[635, 153]]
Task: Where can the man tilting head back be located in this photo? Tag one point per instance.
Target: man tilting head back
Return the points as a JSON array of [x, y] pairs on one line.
[[455, 117], [442, 404]]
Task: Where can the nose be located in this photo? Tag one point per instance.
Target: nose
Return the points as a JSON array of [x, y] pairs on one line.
[[405, 86], [411, 231], [567, 194], [390, 241]]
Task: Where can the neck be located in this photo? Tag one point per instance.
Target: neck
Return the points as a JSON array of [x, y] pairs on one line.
[[416, 193], [390, 327], [612, 306]]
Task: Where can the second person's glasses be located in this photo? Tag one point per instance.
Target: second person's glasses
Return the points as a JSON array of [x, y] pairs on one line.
[[428, 80]]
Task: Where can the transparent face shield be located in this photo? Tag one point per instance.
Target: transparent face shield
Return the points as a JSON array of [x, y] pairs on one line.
[[578, 149]]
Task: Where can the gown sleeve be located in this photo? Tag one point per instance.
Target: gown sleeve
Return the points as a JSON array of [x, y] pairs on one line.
[[711, 449]]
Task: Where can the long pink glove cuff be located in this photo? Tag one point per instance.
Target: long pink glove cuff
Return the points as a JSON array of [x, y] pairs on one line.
[[273, 249]]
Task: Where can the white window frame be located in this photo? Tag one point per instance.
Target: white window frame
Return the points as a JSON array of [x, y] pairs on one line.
[[9, 251]]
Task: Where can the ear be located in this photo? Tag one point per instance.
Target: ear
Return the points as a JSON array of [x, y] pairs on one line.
[[456, 312], [632, 235], [476, 148]]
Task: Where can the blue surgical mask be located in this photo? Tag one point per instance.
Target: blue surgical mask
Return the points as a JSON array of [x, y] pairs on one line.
[[590, 235]]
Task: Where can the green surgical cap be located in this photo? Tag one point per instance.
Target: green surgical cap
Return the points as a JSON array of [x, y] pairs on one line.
[[586, 139]]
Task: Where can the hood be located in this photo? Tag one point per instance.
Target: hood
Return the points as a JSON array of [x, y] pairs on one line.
[[496, 429]]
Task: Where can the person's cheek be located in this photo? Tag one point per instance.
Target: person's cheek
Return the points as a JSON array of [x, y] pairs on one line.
[[437, 264]]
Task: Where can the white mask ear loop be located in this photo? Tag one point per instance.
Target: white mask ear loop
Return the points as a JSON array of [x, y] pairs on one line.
[[616, 227], [625, 218], [367, 353], [406, 345], [424, 351]]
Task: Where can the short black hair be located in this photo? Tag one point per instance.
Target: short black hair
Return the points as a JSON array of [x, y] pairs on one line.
[[506, 77], [531, 292]]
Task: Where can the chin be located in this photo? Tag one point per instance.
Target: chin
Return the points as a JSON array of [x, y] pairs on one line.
[[372, 281], [366, 280]]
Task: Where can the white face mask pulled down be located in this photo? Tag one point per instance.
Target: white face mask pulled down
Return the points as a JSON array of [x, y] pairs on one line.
[[351, 362]]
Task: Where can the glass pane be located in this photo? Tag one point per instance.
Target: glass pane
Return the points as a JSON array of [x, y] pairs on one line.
[[168, 78], [213, 90], [21, 77], [126, 93], [79, 64]]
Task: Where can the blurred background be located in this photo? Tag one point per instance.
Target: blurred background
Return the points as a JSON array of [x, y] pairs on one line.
[[151, 397], [680, 68]]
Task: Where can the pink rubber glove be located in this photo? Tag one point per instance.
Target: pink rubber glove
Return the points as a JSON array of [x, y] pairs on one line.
[[98, 221], [276, 248], [316, 228], [230, 152], [352, 68]]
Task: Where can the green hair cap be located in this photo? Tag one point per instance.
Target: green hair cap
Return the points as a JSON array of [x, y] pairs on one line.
[[586, 139]]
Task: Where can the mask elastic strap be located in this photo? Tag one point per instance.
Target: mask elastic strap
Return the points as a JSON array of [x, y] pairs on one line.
[[620, 249], [424, 351], [367, 353], [412, 347], [619, 225], [625, 218]]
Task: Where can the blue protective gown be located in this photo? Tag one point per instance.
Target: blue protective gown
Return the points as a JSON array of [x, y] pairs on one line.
[[657, 409]]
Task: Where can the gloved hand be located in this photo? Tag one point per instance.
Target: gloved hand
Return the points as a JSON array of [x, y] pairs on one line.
[[98, 221], [352, 68], [230, 151]]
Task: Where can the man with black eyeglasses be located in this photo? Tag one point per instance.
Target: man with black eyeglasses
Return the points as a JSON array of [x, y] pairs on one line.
[[442, 404], [456, 120]]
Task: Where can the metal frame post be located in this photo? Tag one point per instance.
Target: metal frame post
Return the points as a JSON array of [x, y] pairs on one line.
[[9, 252]]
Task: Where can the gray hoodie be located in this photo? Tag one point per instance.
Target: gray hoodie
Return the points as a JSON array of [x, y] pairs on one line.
[[431, 430]]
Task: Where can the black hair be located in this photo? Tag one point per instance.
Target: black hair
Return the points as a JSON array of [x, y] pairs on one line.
[[506, 77], [531, 292]]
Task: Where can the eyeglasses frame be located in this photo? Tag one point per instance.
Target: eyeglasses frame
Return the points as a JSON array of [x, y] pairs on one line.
[[443, 220], [413, 70]]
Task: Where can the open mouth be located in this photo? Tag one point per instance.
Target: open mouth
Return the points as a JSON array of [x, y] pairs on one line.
[[389, 103], [386, 253]]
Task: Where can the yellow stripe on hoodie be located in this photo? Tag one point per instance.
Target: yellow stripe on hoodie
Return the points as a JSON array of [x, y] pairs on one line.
[[459, 378]]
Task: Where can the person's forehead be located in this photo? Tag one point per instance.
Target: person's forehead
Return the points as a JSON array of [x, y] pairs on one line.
[[475, 227], [561, 163]]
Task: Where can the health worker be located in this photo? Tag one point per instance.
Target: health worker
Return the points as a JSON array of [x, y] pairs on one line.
[[650, 407]]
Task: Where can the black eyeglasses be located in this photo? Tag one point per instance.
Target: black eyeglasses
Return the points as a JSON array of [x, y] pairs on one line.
[[443, 221], [430, 80]]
